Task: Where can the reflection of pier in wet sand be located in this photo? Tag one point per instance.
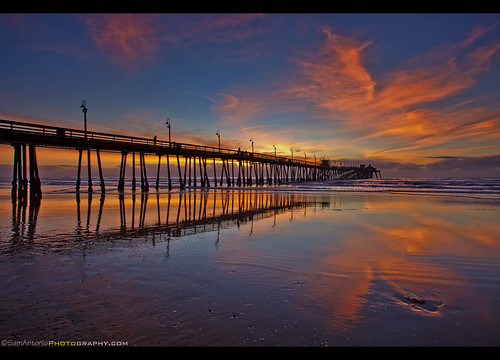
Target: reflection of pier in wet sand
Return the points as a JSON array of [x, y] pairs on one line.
[[189, 213], [172, 214]]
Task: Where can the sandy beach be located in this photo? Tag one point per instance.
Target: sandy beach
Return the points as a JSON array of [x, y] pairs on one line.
[[251, 268]]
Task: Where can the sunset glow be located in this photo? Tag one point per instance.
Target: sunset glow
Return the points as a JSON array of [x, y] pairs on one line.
[[412, 94]]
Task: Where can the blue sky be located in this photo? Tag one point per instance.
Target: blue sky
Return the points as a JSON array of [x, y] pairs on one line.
[[414, 94]]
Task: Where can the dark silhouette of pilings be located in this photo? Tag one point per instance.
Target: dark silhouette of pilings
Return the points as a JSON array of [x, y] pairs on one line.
[[89, 171], [20, 172]]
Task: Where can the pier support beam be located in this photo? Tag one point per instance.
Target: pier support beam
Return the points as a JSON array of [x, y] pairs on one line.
[[18, 183], [194, 171], [181, 184], [19, 176], [169, 178], [133, 172], [121, 180], [144, 176], [158, 173], [35, 184], [185, 170], [215, 175], [101, 178], [89, 171], [79, 170]]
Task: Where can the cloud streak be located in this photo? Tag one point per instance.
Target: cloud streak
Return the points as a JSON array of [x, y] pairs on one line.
[[130, 40], [126, 39]]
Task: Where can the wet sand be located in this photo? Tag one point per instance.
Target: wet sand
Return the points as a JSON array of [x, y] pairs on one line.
[[252, 268]]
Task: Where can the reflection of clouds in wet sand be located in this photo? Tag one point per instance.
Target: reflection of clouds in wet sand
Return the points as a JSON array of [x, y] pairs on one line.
[[423, 255]]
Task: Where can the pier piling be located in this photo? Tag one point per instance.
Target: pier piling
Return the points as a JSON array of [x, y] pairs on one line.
[[20, 172]]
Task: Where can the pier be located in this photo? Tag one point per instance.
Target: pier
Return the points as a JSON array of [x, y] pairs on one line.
[[236, 167]]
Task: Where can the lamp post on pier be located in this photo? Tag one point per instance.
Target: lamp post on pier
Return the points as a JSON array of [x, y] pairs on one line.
[[84, 109], [251, 140], [218, 134], [168, 125]]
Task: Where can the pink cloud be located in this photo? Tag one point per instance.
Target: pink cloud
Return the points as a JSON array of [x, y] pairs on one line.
[[129, 39], [125, 38]]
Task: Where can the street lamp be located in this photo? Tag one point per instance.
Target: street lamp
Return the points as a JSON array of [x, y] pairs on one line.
[[274, 146], [84, 109], [251, 140], [168, 125], [218, 134]]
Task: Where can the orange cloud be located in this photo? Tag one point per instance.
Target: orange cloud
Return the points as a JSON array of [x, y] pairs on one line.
[[422, 85], [335, 78]]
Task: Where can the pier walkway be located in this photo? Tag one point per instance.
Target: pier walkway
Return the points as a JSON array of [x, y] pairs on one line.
[[236, 168]]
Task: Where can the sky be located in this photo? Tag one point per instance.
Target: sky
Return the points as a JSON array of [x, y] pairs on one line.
[[411, 94]]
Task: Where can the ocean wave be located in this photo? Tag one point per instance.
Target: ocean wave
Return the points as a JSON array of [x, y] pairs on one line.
[[489, 187], [480, 186]]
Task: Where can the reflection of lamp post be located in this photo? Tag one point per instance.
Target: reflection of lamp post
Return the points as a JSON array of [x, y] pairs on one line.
[[84, 109], [218, 134], [251, 140], [168, 125]]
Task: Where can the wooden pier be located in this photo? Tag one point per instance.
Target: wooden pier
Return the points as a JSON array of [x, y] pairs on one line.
[[238, 168]]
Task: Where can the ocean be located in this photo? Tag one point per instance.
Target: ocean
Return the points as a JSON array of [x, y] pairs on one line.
[[376, 262], [488, 187]]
